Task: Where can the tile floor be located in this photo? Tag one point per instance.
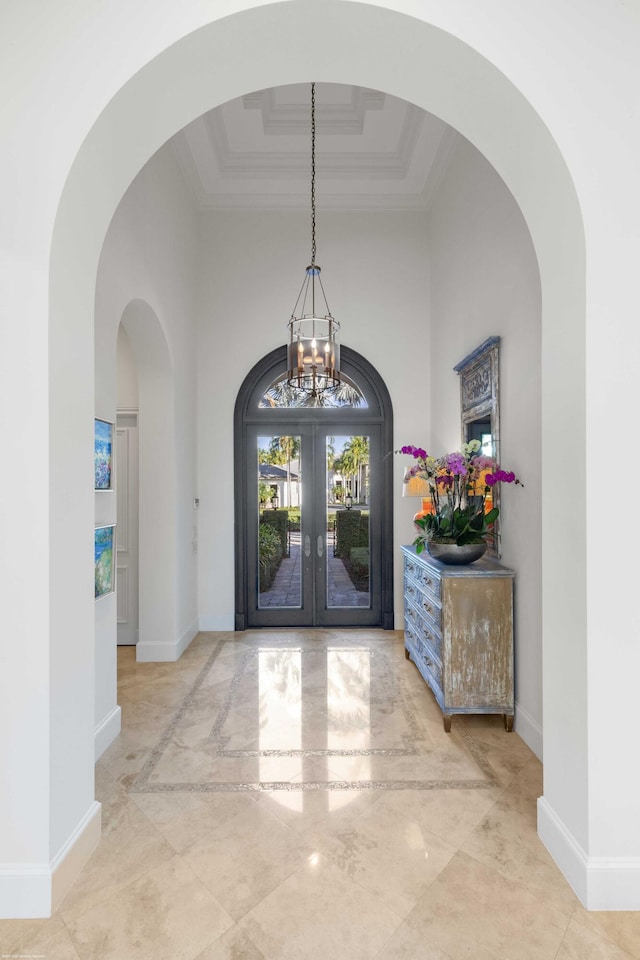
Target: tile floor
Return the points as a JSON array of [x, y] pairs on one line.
[[292, 794]]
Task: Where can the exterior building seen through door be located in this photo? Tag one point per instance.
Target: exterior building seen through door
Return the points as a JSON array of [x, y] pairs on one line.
[[315, 505]]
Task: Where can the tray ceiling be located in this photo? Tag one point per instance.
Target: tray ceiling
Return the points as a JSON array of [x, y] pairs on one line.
[[372, 151]]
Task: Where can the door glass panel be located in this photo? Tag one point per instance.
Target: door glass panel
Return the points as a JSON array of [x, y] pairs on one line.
[[279, 492], [347, 521], [281, 393]]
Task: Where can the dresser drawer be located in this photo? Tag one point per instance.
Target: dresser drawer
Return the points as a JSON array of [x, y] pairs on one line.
[[425, 602], [422, 627], [423, 655], [424, 578]]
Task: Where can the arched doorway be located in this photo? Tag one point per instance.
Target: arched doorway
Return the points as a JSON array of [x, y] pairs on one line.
[[330, 565], [156, 509], [514, 138]]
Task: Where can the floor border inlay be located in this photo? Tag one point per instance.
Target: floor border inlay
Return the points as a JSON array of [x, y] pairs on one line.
[[394, 696]]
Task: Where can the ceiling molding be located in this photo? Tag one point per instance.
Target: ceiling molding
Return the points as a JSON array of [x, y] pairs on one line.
[[330, 202], [362, 165], [331, 118], [405, 173]]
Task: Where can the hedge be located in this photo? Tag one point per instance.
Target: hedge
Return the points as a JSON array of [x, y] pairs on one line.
[[269, 554], [352, 530], [279, 521]]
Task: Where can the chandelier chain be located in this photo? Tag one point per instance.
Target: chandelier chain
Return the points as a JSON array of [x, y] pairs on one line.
[[313, 174]]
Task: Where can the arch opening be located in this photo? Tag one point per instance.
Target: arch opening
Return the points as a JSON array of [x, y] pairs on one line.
[[156, 483], [499, 133]]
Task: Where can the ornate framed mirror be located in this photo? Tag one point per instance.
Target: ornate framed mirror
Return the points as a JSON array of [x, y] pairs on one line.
[[480, 409]]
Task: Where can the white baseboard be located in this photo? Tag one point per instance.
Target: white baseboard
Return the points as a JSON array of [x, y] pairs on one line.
[[34, 891], [601, 883], [107, 731], [148, 651], [564, 848], [614, 883], [528, 730], [217, 624]]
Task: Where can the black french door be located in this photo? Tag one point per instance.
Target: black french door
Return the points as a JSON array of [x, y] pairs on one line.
[[313, 501], [313, 525]]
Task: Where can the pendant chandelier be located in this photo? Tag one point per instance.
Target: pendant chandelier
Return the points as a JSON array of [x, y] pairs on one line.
[[313, 357]]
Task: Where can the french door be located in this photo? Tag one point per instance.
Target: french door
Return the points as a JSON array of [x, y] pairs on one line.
[[313, 500], [313, 525]]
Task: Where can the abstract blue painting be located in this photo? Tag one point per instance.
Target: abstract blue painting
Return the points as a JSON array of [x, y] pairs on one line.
[[103, 454], [104, 561]]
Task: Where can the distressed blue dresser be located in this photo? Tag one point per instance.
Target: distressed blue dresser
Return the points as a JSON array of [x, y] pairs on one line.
[[458, 630]]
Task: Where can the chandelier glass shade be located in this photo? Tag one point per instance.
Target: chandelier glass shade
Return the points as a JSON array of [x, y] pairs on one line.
[[313, 355]]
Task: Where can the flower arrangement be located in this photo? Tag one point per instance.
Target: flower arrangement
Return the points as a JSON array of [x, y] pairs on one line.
[[460, 486]]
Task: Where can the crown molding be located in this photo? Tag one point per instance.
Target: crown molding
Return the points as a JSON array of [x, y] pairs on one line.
[[287, 118], [219, 178], [330, 202], [364, 165]]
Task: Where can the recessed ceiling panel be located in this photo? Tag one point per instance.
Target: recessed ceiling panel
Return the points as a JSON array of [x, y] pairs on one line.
[[372, 150]]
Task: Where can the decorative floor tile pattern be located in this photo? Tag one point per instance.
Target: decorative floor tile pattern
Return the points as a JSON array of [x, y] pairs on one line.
[[291, 704], [292, 794]]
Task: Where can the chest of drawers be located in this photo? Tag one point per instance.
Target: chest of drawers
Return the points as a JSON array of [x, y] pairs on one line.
[[458, 630]]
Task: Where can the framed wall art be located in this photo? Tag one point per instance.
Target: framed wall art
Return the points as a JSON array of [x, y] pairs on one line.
[[103, 454], [104, 561]]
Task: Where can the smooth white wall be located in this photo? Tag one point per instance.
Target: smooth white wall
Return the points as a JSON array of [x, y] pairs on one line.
[[376, 277], [485, 282], [147, 280], [126, 373]]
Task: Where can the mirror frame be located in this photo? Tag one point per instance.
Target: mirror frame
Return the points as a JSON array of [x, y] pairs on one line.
[[480, 400]]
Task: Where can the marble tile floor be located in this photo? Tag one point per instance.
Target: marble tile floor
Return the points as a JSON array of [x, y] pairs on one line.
[[283, 795]]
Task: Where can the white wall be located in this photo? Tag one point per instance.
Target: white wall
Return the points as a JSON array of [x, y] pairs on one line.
[[126, 373], [485, 282], [147, 279], [376, 277]]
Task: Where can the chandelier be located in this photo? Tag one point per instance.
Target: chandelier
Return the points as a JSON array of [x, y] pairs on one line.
[[313, 356]]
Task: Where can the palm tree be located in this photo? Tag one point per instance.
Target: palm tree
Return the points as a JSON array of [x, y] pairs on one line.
[[355, 457], [283, 394], [283, 450]]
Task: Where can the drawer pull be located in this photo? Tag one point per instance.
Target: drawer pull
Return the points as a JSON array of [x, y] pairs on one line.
[[427, 607]]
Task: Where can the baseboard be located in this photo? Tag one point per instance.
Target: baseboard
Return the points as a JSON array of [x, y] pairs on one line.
[[220, 624], [614, 883], [25, 891], [528, 730], [71, 858], [601, 883], [148, 651], [564, 848], [107, 731], [35, 891]]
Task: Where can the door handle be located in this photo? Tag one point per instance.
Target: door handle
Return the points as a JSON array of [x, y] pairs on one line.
[[307, 546], [320, 545]]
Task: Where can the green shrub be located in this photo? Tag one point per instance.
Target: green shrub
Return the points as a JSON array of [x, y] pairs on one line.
[[279, 521], [357, 566], [294, 518], [352, 530], [359, 560], [269, 554]]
